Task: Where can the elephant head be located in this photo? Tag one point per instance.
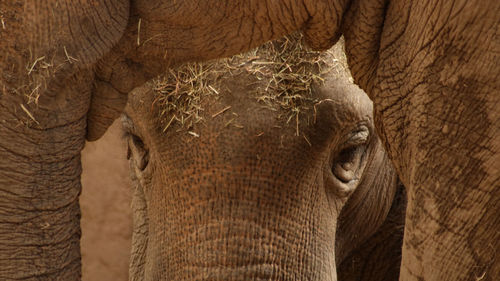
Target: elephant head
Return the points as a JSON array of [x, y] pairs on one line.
[[242, 168]]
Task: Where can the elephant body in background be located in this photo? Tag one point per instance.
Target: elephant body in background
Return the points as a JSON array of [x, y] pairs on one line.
[[429, 66]]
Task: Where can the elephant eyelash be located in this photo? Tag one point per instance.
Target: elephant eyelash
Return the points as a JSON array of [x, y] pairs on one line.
[[125, 135], [135, 138], [361, 136], [128, 132]]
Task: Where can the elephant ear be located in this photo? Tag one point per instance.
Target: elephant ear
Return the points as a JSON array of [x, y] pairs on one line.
[[108, 97], [106, 105], [368, 207]]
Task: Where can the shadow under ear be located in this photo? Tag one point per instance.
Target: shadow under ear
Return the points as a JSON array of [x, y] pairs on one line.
[[379, 257]]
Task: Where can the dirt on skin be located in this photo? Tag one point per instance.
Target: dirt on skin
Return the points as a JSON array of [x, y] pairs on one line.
[[106, 213]]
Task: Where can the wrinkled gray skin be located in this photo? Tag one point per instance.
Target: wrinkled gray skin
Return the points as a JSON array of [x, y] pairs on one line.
[[247, 199], [431, 68]]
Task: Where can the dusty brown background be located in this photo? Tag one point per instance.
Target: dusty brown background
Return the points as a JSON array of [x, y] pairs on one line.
[[105, 202]]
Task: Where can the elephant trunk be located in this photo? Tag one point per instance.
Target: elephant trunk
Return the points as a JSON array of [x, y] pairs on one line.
[[235, 249], [40, 183], [232, 229]]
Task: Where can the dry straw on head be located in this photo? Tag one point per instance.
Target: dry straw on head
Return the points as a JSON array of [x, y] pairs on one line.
[[180, 92], [286, 71]]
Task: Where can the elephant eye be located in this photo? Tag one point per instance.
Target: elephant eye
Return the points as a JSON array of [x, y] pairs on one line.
[[137, 152], [350, 161], [137, 141]]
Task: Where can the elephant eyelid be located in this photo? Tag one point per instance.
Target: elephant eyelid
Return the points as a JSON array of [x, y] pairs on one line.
[[127, 123], [127, 135], [360, 136], [128, 128]]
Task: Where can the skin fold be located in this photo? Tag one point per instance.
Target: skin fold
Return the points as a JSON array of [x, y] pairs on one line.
[[430, 68], [379, 257], [240, 196]]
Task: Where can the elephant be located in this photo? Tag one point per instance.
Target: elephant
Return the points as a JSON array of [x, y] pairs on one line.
[[430, 68], [263, 166]]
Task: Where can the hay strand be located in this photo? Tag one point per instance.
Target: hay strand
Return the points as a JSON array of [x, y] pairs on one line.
[[220, 112], [28, 113]]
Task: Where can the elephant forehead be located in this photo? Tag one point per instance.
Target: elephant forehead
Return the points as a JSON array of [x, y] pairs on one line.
[[280, 76]]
